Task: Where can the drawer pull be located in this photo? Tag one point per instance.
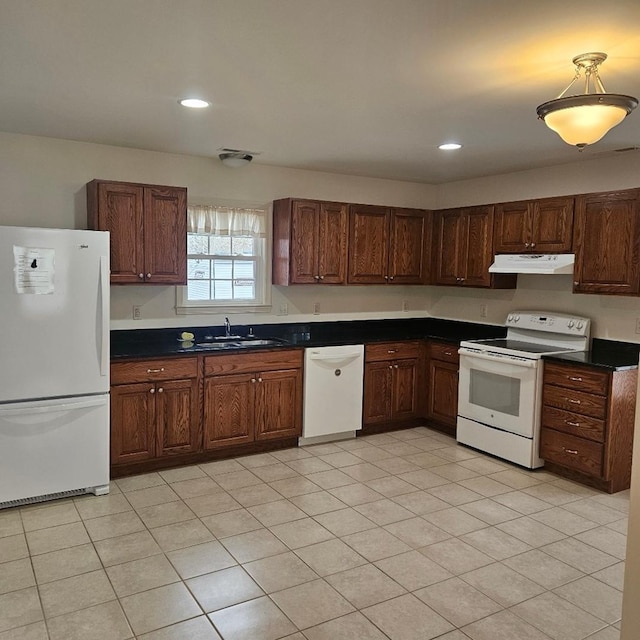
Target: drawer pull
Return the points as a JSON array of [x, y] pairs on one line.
[[573, 452], [572, 401], [392, 351], [575, 378], [448, 353], [160, 370], [573, 424]]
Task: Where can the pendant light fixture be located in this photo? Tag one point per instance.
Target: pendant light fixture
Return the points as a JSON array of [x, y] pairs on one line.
[[585, 118]]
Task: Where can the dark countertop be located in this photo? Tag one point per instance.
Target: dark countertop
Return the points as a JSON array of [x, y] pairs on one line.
[[147, 343], [604, 354]]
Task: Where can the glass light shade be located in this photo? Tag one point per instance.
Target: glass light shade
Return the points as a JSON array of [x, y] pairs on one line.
[[585, 119], [584, 125]]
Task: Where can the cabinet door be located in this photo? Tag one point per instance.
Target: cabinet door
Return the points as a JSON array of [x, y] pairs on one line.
[[132, 422], [177, 424], [442, 403], [512, 230], [449, 246], [408, 239], [606, 238], [405, 389], [119, 211], [552, 225], [279, 404], [304, 242], [478, 247], [332, 242], [229, 410], [165, 235], [378, 388], [368, 244]]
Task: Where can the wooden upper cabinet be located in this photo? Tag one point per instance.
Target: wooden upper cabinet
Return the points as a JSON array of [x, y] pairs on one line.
[[388, 245], [148, 230], [539, 226], [309, 242], [462, 248], [607, 242]]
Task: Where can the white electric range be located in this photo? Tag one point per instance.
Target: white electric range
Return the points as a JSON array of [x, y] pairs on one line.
[[500, 384]]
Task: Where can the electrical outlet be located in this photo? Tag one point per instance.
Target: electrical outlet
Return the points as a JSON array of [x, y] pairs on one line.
[[316, 308], [483, 310], [637, 325], [405, 305], [283, 309], [137, 312]]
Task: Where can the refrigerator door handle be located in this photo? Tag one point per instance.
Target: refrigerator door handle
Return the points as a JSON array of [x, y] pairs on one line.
[[52, 407], [104, 311]]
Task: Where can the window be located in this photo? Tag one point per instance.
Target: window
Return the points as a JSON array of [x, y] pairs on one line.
[[227, 266]]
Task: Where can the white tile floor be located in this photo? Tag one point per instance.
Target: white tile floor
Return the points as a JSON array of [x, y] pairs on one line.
[[400, 536]]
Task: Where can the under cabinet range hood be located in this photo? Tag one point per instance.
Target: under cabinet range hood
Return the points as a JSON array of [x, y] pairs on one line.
[[558, 263]]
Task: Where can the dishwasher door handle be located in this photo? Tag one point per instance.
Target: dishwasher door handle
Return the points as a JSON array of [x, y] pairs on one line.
[[336, 356]]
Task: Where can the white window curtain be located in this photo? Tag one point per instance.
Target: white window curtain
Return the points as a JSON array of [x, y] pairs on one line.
[[226, 221]]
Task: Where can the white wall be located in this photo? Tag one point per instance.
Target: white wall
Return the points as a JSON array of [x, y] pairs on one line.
[[42, 184]]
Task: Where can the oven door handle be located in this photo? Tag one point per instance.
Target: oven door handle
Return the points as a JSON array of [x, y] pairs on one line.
[[518, 362]]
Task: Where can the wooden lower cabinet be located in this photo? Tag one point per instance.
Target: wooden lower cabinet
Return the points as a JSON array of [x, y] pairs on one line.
[[392, 379], [587, 424], [153, 413], [252, 397], [442, 393]]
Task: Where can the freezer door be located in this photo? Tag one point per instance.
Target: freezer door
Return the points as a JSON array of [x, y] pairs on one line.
[[51, 446], [55, 330]]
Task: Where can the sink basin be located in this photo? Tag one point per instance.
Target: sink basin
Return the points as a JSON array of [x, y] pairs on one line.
[[239, 343]]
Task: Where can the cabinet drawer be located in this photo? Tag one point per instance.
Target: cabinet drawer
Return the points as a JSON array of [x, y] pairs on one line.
[[574, 401], [577, 378], [443, 351], [150, 370], [379, 351], [253, 362], [570, 451], [573, 423]]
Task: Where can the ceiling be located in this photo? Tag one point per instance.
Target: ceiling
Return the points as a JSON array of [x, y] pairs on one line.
[[360, 87]]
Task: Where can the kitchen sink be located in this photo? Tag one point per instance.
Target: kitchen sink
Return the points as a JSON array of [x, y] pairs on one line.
[[239, 343]]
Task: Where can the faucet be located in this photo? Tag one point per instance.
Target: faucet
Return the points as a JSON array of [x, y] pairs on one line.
[[227, 328]]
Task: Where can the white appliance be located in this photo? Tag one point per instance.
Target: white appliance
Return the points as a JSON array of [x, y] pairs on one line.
[[54, 356], [500, 383], [333, 383], [554, 264]]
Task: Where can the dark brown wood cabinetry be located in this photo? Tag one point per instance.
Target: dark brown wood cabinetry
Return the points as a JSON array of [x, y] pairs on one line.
[[388, 246], [607, 243], [442, 393], [154, 409], [252, 397], [587, 424], [309, 242], [463, 249], [538, 226], [393, 376], [148, 230]]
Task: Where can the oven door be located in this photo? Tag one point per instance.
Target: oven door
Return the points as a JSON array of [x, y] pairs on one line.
[[499, 391]]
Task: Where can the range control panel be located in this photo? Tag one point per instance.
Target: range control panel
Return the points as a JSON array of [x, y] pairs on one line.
[[549, 322]]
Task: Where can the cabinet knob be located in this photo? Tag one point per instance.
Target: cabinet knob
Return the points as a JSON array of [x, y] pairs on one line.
[[141, 276], [148, 275], [532, 245], [160, 390], [253, 380], [526, 244], [316, 277], [259, 379], [575, 283], [321, 277], [386, 277], [152, 390], [573, 452], [390, 366], [395, 366], [390, 277]]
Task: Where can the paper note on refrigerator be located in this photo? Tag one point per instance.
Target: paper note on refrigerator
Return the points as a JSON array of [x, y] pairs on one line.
[[33, 269]]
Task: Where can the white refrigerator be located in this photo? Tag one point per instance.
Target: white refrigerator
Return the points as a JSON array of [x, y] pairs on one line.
[[54, 364]]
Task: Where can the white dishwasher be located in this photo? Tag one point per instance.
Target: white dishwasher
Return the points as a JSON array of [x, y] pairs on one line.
[[333, 382]]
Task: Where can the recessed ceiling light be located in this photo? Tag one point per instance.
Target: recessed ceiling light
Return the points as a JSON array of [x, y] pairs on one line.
[[194, 103], [450, 146]]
